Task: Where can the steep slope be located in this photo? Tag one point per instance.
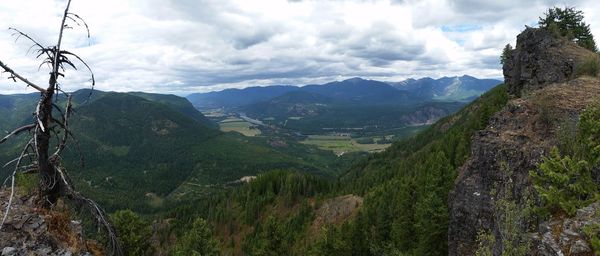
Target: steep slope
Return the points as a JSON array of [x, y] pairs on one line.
[[138, 152], [516, 139], [390, 203], [14, 109], [177, 103]]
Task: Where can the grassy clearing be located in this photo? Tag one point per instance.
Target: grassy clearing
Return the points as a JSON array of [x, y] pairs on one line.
[[243, 127], [340, 144]]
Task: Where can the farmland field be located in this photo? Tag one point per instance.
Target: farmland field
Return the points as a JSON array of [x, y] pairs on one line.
[[240, 126], [342, 144]]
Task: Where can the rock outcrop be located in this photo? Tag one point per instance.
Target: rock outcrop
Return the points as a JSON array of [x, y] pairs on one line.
[[32, 231], [539, 70], [540, 59], [336, 210], [565, 236]]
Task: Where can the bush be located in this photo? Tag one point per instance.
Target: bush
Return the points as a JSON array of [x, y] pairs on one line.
[[589, 135], [589, 67], [563, 183]]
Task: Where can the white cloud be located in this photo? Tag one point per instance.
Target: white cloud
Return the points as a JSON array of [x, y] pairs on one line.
[[188, 46]]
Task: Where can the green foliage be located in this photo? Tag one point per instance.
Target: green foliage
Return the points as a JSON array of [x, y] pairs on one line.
[[563, 183], [589, 135], [511, 216], [134, 233], [485, 241], [197, 240], [406, 188], [592, 231], [590, 67], [269, 239], [569, 23], [505, 53], [272, 206], [27, 182]]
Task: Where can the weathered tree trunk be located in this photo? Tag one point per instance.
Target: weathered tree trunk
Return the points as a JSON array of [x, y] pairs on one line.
[[49, 184]]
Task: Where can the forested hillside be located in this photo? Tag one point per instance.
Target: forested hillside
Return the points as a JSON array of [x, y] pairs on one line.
[[145, 152], [450, 166], [405, 191]]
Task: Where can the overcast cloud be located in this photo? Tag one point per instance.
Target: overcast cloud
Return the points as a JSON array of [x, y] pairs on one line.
[[187, 46]]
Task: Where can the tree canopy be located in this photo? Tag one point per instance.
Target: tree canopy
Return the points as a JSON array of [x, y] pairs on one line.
[[568, 22]]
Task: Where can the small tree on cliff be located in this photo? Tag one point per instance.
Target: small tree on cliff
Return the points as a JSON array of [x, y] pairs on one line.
[[41, 155], [568, 22], [505, 53]]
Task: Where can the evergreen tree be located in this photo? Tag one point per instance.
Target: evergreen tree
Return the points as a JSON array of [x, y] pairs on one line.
[[133, 232], [197, 241], [563, 183], [505, 53], [569, 23]]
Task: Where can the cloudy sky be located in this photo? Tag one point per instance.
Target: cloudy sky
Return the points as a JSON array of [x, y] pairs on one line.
[[186, 46]]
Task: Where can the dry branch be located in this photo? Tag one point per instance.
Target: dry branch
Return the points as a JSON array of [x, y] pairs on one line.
[[17, 131], [14, 75], [54, 181]]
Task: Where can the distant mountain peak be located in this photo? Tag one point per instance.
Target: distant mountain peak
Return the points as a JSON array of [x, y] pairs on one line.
[[355, 80], [456, 88]]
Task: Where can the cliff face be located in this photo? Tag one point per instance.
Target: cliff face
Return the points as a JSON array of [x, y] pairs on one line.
[[539, 59], [517, 138]]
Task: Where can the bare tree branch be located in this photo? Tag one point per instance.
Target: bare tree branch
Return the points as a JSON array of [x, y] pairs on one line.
[[12, 187], [17, 76], [17, 131], [19, 34], [79, 18], [54, 181]]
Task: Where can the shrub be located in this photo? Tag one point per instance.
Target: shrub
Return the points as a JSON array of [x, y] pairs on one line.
[[563, 183], [589, 67], [589, 135]]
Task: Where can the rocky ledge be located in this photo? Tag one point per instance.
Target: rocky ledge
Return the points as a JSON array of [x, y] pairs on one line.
[[32, 231]]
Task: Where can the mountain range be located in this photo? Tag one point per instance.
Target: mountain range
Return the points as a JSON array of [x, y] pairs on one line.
[[355, 91]]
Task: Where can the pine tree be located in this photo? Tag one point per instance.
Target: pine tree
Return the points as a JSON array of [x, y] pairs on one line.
[[133, 232], [197, 241], [563, 183], [505, 53], [569, 23]]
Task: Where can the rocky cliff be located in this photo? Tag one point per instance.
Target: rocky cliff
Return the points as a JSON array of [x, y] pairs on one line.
[[540, 59], [32, 231], [539, 75]]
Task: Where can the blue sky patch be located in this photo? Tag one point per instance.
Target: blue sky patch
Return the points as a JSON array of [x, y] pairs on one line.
[[460, 28]]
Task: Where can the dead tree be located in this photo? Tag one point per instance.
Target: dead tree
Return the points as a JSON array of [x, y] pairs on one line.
[[50, 131]]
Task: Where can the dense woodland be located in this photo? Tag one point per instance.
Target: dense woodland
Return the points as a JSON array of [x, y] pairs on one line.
[[405, 191]]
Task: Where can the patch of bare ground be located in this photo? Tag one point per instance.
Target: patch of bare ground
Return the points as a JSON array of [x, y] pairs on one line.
[[336, 211]]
